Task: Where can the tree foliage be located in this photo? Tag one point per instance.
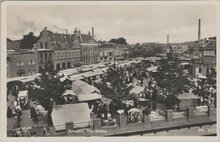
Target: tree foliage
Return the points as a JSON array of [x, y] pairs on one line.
[[113, 85], [28, 41], [46, 87], [119, 40]]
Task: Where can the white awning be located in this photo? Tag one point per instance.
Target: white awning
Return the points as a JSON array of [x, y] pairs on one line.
[[152, 69], [69, 92], [89, 97], [23, 93], [137, 89], [81, 87], [76, 113]]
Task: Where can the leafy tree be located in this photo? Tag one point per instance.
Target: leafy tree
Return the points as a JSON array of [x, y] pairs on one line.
[[113, 84], [120, 40], [170, 77], [46, 89], [28, 41]]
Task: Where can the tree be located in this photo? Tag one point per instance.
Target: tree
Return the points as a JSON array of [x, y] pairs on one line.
[[113, 84], [28, 41], [120, 40], [46, 89], [170, 77]]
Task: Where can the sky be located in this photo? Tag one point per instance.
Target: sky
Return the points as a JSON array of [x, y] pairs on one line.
[[136, 23]]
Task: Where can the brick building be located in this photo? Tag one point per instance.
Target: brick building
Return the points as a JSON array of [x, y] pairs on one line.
[[66, 48], [89, 47], [21, 63]]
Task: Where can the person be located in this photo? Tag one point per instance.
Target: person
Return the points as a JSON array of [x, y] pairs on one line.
[[34, 116], [9, 112]]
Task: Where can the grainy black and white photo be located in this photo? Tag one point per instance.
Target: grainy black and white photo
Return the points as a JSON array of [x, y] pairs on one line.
[[97, 69]]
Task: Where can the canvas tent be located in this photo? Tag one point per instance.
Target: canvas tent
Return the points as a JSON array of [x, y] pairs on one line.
[[80, 87], [137, 89], [187, 100], [70, 113], [89, 97]]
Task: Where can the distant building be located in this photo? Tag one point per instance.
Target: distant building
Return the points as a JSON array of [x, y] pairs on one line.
[[13, 45], [106, 52], [206, 65], [110, 52], [178, 48], [21, 63]]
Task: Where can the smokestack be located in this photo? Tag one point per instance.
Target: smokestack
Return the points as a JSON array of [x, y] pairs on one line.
[[199, 31], [167, 39], [93, 31]]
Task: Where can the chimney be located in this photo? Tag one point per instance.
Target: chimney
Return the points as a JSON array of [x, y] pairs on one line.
[[199, 31], [93, 31], [89, 33], [45, 28], [75, 32], [167, 39]]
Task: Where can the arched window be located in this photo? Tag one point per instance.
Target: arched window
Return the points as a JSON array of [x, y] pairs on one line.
[[58, 66], [63, 66], [68, 65]]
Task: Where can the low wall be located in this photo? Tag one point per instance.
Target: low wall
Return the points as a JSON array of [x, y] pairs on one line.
[[169, 122]]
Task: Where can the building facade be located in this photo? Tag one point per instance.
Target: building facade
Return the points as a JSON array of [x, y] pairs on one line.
[[66, 48], [109, 52], [106, 52], [44, 56], [21, 63], [206, 66], [89, 47]]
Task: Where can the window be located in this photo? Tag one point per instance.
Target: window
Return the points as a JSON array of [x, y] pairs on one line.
[[50, 55], [30, 62], [41, 55], [20, 63], [200, 69], [46, 45], [110, 53], [41, 45], [45, 57], [207, 71]]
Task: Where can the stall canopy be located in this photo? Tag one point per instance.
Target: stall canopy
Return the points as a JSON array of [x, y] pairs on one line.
[[75, 77], [89, 97], [70, 113], [137, 89], [80, 87], [23, 93], [152, 69], [93, 73], [69, 92], [185, 96]]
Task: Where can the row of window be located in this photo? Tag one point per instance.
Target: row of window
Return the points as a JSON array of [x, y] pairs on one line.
[[66, 53], [90, 49], [43, 45], [21, 62], [26, 73], [90, 58], [45, 55]]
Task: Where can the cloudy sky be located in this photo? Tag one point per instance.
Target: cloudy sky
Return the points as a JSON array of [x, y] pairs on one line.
[[137, 23]]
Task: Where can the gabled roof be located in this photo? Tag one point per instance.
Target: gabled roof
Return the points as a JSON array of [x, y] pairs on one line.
[[89, 97], [80, 87], [184, 96], [70, 113], [87, 38]]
